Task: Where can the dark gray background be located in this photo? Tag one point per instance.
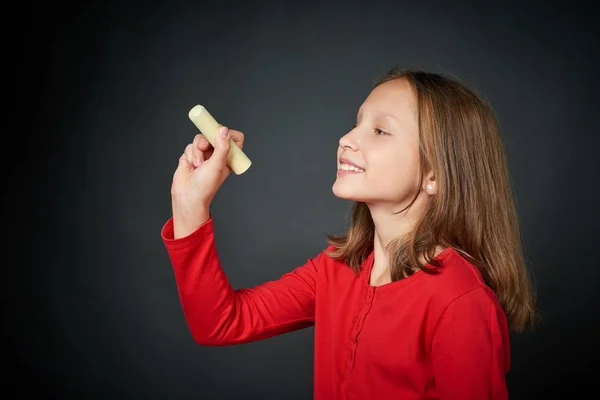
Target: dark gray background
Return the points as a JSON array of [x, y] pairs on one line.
[[90, 307]]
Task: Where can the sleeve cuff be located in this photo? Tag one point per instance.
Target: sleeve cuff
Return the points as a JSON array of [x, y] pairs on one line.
[[167, 234]]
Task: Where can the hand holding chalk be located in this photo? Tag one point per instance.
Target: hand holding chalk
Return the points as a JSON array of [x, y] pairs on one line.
[[202, 169], [236, 159]]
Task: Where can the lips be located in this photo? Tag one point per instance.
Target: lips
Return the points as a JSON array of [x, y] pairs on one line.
[[350, 162]]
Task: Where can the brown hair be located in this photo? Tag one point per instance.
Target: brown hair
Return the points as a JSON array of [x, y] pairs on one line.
[[473, 211]]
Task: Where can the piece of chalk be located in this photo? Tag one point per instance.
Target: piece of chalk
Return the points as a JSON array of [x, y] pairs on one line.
[[236, 159]]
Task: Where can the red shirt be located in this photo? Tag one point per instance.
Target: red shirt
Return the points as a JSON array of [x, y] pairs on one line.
[[441, 336]]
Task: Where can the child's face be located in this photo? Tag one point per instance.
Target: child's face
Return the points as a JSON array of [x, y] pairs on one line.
[[385, 144]]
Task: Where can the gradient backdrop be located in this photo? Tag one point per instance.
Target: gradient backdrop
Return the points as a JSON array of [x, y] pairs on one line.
[[90, 307]]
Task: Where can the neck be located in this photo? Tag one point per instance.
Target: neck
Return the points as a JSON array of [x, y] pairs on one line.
[[390, 226]]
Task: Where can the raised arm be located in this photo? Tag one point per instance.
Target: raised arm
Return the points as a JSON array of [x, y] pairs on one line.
[[218, 315]]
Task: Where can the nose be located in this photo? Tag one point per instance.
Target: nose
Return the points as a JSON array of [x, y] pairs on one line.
[[350, 140]]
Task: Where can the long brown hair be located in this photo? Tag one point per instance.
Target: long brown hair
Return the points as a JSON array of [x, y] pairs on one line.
[[473, 212]]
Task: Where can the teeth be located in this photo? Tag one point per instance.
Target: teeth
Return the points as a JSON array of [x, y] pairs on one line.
[[347, 167]]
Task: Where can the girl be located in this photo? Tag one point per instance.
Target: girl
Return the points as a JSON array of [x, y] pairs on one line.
[[417, 299]]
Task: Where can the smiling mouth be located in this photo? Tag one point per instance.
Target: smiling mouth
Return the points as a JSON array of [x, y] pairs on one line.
[[349, 168]]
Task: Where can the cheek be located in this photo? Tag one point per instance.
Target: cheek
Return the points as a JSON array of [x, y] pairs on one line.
[[395, 158], [395, 169]]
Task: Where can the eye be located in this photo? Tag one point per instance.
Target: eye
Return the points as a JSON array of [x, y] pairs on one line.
[[380, 132]]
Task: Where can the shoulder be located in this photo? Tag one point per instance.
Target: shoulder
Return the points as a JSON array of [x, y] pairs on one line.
[[463, 302], [322, 259], [455, 278], [325, 255], [336, 268]]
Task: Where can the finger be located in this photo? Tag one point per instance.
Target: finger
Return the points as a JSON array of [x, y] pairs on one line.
[[237, 137], [183, 169], [189, 154], [208, 153], [201, 142], [221, 150], [183, 162], [204, 149], [197, 152]]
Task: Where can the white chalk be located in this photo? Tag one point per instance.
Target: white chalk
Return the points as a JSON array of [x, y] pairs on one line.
[[236, 159]]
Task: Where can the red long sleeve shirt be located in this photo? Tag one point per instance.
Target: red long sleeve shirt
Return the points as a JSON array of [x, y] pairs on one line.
[[441, 336]]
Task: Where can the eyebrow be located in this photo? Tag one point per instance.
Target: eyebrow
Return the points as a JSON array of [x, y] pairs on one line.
[[388, 115], [383, 114]]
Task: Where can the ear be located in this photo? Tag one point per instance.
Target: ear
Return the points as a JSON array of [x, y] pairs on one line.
[[430, 185]]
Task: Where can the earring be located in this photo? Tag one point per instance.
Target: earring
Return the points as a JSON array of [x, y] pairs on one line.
[[430, 186]]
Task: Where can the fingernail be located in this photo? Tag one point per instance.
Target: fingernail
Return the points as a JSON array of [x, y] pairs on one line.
[[224, 131], [197, 161]]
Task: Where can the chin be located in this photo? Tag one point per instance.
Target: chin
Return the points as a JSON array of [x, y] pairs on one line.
[[345, 194]]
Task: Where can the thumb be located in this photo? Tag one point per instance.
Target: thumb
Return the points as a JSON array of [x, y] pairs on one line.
[[222, 145]]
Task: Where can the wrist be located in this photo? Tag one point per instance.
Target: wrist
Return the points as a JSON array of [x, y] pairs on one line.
[[186, 224]]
